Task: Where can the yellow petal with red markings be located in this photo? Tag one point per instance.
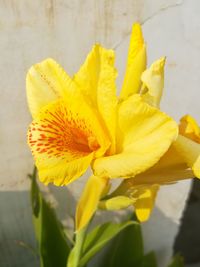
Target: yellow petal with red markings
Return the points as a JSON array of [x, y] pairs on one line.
[[89, 200], [45, 82], [64, 137], [144, 135], [136, 63], [62, 171], [153, 82], [96, 79]]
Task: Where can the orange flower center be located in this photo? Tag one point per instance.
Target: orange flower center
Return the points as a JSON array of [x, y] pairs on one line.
[[58, 133]]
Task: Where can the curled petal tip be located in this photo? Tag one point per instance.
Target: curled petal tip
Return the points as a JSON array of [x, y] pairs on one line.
[[136, 63], [158, 65]]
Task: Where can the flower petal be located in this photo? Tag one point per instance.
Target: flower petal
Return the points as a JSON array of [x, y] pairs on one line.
[[144, 135], [153, 82], [169, 169], [136, 63], [62, 171], [89, 200], [64, 137], [96, 79], [116, 203], [140, 189], [145, 202], [190, 152], [45, 82], [189, 128]]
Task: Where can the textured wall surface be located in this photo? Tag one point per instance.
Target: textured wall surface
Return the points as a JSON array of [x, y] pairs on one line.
[[65, 30]]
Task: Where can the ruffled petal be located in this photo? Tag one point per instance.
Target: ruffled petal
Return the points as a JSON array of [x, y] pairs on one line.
[[45, 82], [144, 135], [64, 137], [136, 63], [89, 200], [62, 171], [96, 79], [153, 82]]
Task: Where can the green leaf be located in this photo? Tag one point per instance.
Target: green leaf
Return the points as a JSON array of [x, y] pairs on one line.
[[35, 195], [102, 234], [177, 261], [149, 260], [126, 249], [53, 245]]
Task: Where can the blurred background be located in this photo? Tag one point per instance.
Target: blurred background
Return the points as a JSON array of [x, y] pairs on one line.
[[65, 30]]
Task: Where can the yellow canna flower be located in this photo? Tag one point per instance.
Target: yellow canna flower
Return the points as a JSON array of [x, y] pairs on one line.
[[80, 122], [181, 160]]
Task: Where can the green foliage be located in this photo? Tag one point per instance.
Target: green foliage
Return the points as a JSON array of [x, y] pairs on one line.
[[52, 243], [149, 260], [126, 250], [99, 237], [177, 261], [122, 242]]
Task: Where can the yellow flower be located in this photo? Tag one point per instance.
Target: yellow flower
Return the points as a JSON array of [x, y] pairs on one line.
[[80, 122]]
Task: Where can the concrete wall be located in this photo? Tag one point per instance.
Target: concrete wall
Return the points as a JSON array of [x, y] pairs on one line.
[[65, 30]]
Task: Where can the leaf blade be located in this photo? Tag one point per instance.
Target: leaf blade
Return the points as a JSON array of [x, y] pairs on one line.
[[52, 243], [126, 249], [100, 236], [149, 260]]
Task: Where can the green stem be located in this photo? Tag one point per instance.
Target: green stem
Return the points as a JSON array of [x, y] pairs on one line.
[[75, 254]]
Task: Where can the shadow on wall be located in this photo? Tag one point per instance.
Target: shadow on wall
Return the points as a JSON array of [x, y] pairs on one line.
[[159, 233], [17, 239], [16, 227]]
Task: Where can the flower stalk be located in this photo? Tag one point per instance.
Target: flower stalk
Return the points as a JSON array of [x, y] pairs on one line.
[[75, 254]]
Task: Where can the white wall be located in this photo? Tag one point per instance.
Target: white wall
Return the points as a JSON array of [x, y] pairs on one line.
[[65, 30]]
